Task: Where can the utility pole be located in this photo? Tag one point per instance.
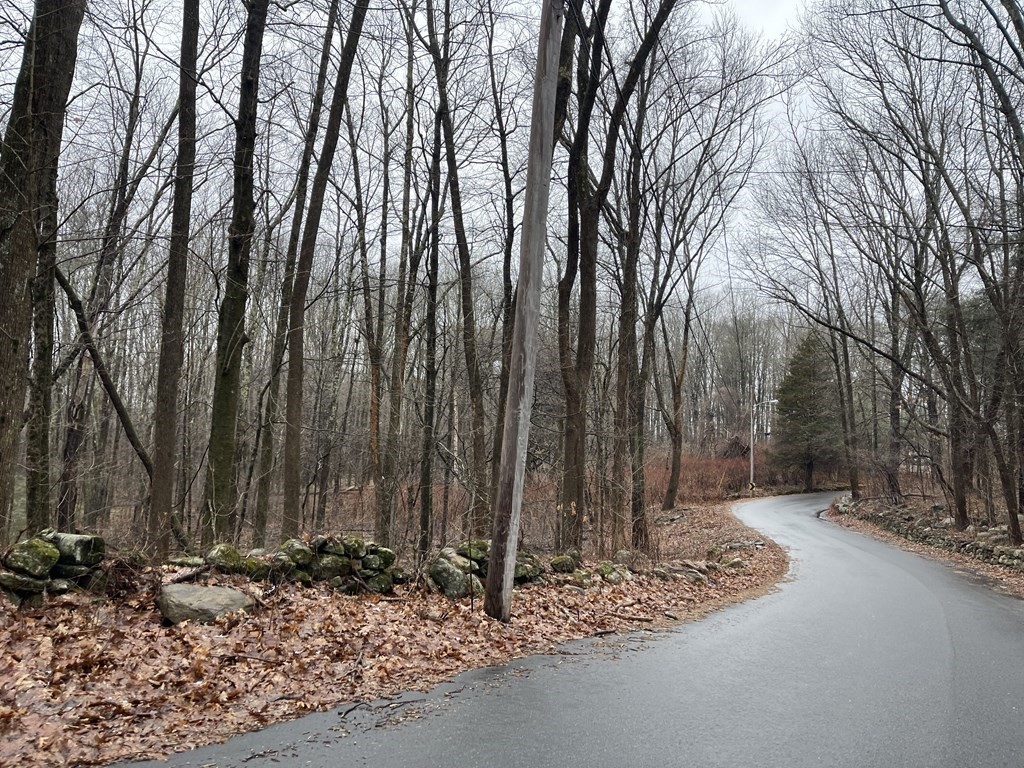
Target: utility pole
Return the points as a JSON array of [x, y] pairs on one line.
[[519, 403]]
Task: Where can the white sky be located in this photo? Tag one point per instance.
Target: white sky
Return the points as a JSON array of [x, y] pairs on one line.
[[769, 16]]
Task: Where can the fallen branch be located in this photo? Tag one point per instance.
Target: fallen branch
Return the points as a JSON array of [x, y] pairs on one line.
[[190, 575]]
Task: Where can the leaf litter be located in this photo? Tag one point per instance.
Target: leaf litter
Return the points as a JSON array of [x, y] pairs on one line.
[[90, 682]]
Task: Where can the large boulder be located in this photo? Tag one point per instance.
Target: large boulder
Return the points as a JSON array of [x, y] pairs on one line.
[[189, 602], [449, 578], [76, 549], [33, 557]]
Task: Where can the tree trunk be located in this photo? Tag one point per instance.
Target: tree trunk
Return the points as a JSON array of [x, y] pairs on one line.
[[297, 312], [40, 409], [29, 155], [479, 519], [220, 493], [165, 414]]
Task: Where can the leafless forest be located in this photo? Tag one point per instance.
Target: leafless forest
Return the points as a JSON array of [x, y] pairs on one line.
[[260, 263]]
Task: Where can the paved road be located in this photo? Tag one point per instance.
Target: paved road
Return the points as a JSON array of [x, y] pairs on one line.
[[869, 657]]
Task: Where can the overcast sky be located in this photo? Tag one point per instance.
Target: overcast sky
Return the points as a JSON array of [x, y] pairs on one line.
[[770, 16]]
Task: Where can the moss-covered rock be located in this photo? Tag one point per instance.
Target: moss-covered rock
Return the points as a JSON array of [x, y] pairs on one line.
[[475, 549], [387, 556], [582, 578], [372, 563], [33, 557], [281, 567], [327, 567], [464, 564], [400, 576], [300, 576], [449, 578], [615, 577], [21, 584], [225, 557], [297, 552], [562, 564], [380, 583], [528, 568], [76, 549], [256, 568], [605, 569], [355, 547]]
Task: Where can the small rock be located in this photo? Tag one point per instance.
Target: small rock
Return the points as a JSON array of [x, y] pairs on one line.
[[372, 563], [528, 568]]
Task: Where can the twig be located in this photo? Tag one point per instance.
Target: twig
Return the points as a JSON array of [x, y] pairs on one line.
[[631, 617]]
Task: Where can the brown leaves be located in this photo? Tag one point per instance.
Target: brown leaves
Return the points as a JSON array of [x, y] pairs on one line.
[[88, 683]]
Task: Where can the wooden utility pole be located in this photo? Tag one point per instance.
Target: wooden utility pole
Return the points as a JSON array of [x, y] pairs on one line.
[[509, 497]]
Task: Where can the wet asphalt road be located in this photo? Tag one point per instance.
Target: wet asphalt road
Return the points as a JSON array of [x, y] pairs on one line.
[[868, 657]]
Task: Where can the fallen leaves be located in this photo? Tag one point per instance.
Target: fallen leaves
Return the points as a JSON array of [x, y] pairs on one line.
[[88, 683]]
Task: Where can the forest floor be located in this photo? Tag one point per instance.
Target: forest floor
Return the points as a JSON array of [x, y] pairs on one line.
[[90, 681], [999, 577]]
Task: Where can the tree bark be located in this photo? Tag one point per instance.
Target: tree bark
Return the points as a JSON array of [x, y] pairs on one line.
[[165, 414], [29, 155], [220, 493]]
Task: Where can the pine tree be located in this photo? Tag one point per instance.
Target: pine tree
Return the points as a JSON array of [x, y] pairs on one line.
[[808, 434]]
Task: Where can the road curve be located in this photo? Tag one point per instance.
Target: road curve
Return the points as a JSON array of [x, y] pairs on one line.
[[867, 657]]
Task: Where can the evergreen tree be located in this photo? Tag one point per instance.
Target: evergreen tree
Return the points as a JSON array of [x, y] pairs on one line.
[[808, 434]]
